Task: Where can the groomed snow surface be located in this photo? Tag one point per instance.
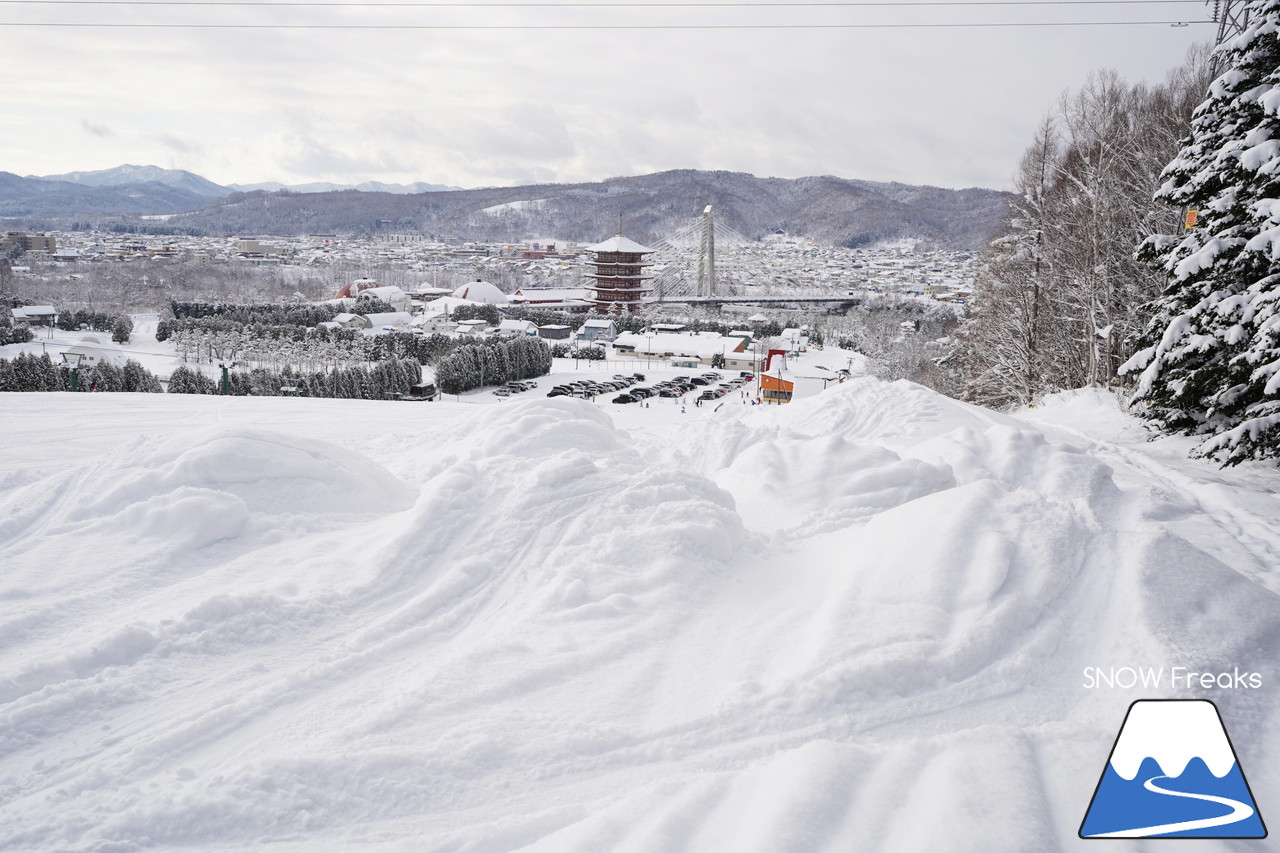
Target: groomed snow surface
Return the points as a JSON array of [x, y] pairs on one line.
[[855, 623]]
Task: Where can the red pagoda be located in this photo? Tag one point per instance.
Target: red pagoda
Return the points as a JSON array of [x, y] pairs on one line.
[[619, 275]]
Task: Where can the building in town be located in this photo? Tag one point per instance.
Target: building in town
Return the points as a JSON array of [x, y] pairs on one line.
[[619, 282]]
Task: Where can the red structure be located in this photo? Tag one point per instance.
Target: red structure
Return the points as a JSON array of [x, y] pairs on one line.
[[619, 279]]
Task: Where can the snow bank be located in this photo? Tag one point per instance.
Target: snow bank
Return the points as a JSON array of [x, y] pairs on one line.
[[858, 622]]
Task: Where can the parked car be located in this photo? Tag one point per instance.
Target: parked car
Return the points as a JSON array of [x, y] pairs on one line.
[[624, 398], [697, 380], [502, 392], [639, 377], [668, 392], [642, 392], [556, 392]]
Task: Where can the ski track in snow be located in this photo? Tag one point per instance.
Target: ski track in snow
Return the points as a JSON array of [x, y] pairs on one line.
[[854, 623]]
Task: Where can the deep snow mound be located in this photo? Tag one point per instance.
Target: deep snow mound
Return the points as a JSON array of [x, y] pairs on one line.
[[874, 410], [267, 472], [855, 623]]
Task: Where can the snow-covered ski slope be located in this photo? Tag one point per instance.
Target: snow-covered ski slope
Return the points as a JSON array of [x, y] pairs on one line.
[[856, 623]]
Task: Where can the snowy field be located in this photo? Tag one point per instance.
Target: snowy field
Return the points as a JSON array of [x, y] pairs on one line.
[[860, 622]]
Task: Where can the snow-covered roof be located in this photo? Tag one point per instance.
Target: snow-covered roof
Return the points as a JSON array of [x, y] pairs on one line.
[[389, 318], [549, 294], [437, 307], [386, 292], [618, 243], [97, 353], [35, 311], [516, 326], [696, 345], [598, 324], [481, 291]]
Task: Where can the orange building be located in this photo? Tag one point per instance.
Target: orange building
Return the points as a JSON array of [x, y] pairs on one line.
[[775, 389]]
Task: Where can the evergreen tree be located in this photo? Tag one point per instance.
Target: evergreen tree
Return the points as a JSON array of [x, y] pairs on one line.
[[121, 329], [1210, 358]]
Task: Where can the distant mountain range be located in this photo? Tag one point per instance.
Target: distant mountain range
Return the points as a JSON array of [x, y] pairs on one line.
[[126, 175], [830, 210], [325, 187]]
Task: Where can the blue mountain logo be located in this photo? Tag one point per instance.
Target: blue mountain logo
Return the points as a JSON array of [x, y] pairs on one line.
[[1173, 773]]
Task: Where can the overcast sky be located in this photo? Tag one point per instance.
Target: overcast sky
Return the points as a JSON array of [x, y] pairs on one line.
[[948, 107]]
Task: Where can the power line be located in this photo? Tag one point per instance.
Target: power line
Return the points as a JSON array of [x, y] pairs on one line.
[[590, 5], [122, 25]]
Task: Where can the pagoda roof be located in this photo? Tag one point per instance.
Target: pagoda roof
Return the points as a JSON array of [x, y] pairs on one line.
[[618, 243]]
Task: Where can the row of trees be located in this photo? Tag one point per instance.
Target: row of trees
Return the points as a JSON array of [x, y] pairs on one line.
[[587, 353], [1060, 299], [29, 372], [300, 347], [120, 325], [266, 314], [381, 381], [493, 363]]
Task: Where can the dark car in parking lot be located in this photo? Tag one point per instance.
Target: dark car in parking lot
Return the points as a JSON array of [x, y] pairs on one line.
[[624, 398]]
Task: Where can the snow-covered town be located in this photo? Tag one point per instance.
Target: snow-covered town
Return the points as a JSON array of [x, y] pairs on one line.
[[777, 264]]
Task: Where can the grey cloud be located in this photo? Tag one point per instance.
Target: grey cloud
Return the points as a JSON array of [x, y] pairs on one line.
[[99, 130], [176, 144]]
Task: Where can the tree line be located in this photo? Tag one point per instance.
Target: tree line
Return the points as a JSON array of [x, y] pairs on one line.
[[29, 372], [1144, 252], [1060, 297], [381, 381], [493, 363]]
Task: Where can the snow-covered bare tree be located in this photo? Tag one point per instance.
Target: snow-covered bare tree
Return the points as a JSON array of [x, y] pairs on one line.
[[1059, 298]]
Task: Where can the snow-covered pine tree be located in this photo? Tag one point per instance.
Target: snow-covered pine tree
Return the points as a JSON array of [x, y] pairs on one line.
[[1210, 359], [121, 329]]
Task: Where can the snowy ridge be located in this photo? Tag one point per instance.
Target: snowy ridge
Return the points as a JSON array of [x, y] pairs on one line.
[[551, 626]]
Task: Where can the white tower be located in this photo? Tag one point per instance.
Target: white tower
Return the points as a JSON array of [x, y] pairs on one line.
[[707, 256]]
